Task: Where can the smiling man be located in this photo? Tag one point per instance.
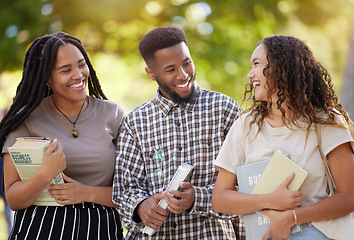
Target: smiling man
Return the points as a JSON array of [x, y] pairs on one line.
[[182, 123]]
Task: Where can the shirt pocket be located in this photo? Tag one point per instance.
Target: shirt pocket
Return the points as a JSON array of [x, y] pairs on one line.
[[205, 151]]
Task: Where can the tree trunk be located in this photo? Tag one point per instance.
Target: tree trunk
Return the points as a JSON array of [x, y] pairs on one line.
[[347, 94]]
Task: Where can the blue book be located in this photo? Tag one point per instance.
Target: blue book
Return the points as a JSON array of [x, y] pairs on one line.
[[247, 177]]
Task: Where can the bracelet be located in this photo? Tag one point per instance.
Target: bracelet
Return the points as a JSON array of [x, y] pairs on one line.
[[295, 217]]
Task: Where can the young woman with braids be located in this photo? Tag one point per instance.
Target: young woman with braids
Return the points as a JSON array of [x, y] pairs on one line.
[[51, 101], [291, 92]]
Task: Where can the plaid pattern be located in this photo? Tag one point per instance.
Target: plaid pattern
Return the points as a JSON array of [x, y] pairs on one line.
[[191, 132]]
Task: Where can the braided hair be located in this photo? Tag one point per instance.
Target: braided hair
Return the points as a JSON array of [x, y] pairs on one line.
[[37, 68]]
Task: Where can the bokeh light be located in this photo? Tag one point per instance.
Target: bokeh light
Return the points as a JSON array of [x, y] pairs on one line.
[[47, 9], [11, 31], [153, 8]]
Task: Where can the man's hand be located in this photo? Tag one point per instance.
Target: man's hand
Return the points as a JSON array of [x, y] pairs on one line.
[[151, 213], [185, 198]]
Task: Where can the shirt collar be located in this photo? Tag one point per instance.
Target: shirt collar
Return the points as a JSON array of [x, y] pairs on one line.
[[167, 105]]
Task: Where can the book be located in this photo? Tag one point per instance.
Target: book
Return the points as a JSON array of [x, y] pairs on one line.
[[27, 154], [264, 177], [280, 166], [182, 174], [247, 178]]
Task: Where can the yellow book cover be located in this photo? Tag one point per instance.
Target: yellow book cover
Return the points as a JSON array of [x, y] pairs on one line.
[[27, 154], [277, 170]]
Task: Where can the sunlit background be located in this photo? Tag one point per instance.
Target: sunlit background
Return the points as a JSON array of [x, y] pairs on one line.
[[222, 35]]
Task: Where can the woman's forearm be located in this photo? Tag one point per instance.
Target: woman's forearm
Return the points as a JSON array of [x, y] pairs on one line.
[[22, 194], [232, 202], [329, 208], [100, 195]]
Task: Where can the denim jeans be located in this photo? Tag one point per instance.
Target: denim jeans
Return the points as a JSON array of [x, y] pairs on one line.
[[307, 233]]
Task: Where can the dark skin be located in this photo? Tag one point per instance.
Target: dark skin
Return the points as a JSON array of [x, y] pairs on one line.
[[186, 201], [153, 216], [150, 213], [174, 68]]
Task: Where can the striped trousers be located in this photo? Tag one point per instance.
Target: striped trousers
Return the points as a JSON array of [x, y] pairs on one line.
[[86, 221]]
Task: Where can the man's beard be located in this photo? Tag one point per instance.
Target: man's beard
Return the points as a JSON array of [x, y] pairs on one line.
[[175, 97]]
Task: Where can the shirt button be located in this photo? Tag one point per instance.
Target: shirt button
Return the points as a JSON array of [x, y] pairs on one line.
[[178, 124], [180, 148], [174, 225]]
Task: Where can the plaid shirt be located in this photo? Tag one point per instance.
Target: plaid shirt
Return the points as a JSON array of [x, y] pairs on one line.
[[177, 133]]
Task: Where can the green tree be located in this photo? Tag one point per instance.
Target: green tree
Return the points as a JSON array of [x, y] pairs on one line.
[[222, 35], [21, 22]]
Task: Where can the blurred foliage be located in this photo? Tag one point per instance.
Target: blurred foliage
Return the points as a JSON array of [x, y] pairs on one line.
[[222, 36], [21, 21]]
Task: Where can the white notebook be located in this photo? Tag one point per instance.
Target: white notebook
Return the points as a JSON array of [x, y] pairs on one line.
[[182, 174]]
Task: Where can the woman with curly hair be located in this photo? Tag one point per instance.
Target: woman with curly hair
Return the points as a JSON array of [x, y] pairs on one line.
[[51, 101], [291, 92]]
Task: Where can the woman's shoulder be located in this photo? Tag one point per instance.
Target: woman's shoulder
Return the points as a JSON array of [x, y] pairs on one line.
[[43, 109], [106, 107], [101, 102], [246, 117], [242, 123], [338, 117], [104, 104]]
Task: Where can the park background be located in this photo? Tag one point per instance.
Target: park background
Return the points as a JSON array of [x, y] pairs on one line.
[[222, 35]]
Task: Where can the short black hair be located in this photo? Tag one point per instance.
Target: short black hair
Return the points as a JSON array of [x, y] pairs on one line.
[[160, 38]]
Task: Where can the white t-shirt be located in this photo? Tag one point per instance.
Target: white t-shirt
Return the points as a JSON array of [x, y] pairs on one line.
[[239, 150]]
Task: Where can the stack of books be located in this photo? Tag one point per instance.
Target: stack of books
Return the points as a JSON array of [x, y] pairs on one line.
[[264, 177]]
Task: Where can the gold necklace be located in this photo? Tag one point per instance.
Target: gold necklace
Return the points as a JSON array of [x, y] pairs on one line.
[[74, 131]]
